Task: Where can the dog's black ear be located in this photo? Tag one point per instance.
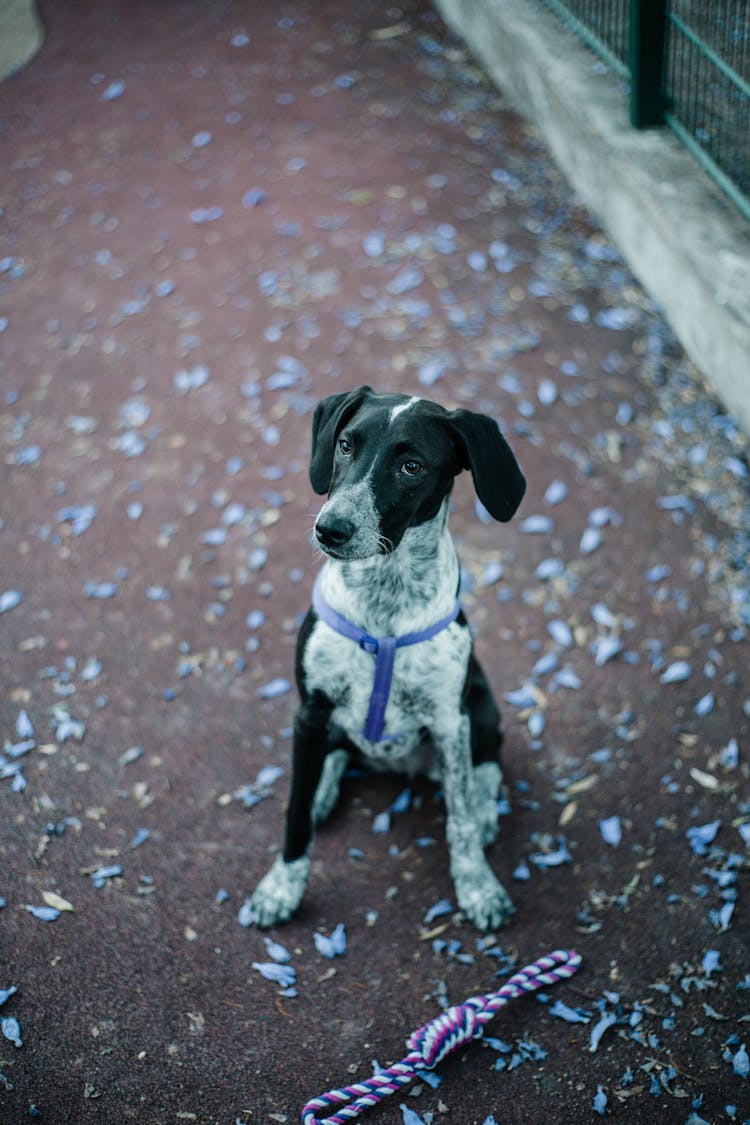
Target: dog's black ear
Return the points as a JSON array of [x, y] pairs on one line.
[[498, 480], [331, 415]]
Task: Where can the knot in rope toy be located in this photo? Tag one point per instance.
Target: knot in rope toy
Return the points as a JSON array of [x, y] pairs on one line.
[[456, 1026], [429, 1044]]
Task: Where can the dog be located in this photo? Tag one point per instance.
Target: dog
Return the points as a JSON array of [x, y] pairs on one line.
[[385, 666]]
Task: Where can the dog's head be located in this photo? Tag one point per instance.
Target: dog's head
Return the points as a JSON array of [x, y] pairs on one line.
[[387, 463]]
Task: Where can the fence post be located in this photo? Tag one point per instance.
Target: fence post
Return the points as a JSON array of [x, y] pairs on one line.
[[648, 26]]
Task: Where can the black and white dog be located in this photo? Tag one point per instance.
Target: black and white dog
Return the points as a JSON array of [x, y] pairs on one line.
[[385, 668]]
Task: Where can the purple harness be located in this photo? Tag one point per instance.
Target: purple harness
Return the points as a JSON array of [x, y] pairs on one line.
[[384, 651]]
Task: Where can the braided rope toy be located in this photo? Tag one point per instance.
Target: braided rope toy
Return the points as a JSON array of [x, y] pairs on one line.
[[430, 1044]]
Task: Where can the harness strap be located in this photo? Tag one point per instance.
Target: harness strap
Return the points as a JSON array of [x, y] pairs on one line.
[[384, 651]]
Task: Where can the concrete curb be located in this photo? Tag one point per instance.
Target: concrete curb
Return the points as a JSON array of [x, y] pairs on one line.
[[685, 242], [21, 34]]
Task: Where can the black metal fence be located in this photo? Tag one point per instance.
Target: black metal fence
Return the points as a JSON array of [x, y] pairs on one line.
[[688, 64]]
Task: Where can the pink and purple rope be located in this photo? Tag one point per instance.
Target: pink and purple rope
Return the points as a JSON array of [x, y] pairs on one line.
[[438, 1038]]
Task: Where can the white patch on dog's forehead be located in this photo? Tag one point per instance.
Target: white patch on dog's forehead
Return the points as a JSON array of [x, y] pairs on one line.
[[402, 407]]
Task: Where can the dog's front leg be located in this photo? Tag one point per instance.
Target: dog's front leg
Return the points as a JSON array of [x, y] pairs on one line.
[[480, 895], [280, 891]]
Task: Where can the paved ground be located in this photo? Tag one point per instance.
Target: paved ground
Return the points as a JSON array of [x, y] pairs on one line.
[[214, 215]]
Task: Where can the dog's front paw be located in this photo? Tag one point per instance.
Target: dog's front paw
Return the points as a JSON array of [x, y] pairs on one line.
[[484, 900], [280, 891]]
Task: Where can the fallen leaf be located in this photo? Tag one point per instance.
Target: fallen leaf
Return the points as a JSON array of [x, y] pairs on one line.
[[631, 886], [391, 32], [56, 901], [583, 785], [707, 780], [568, 813], [428, 935]]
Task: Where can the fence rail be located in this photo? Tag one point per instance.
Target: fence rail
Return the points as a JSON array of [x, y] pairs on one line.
[[688, 64]]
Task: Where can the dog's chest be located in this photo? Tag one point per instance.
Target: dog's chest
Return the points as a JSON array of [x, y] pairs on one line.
[[425, 691]]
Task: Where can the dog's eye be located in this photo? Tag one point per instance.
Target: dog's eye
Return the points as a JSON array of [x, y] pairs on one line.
[[345, 447], [411, 468]]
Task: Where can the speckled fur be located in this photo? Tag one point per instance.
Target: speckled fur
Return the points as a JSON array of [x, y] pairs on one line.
[[390, 595]]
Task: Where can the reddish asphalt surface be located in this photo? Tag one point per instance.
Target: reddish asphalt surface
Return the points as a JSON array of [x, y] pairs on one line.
[[212, 216]]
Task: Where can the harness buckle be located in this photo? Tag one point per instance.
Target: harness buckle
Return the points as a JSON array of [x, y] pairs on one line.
[[369, 644]]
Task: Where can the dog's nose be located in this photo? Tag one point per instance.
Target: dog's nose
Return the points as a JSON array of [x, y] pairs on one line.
[[334, 531]]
